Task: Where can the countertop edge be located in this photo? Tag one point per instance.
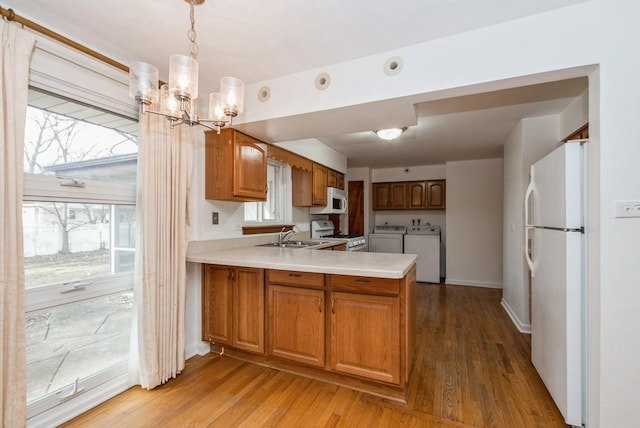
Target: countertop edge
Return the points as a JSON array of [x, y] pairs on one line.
[[310, 260]]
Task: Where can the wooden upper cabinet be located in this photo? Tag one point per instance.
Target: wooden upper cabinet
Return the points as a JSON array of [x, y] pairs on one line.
[[436, 194], [301, 187], [335, 179], [332, 178], [309, 188], [417, 195], [235, 166], [320, 173], [380, 196], [409, 195], [389, 196], [397, 196]]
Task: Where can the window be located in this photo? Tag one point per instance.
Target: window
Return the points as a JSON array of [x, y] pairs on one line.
[[274, 210], [79, 247]]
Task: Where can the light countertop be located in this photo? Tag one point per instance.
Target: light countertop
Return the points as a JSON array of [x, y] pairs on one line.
[[377, 265]]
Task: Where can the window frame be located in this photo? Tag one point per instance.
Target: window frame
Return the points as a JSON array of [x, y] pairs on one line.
[[283, 195], [52, 188]]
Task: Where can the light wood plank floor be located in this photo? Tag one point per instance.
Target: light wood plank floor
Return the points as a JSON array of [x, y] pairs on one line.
[[472, 369]]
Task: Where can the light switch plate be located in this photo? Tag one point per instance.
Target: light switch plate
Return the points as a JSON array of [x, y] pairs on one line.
[[627, 209], [214, 218]]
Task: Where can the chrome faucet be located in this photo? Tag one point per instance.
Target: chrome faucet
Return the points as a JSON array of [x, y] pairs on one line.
[[282, 236]]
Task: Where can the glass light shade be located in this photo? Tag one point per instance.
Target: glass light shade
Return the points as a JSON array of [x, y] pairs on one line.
[[143, 82], [183, 76], [232, 91], [390, 133], [216, 107], [168, 103]]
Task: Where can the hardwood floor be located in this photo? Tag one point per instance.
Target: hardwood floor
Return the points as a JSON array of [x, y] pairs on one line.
[[472, 369]]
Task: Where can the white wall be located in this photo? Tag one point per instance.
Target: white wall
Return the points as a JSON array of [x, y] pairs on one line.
[[529, 141], [411, 173], [575, 115], [474, 223]]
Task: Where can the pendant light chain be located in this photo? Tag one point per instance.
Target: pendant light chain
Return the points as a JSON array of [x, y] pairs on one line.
[[177, 97], [192, 32]]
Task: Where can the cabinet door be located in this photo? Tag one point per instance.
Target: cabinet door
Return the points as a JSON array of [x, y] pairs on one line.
[[301, 187], [340, 181], [248, 309], [216, 304], [332, 178], [398, 196], [380, 196], [319, 184], [358, 322], [250, 162], [417, 191], [296, 324], [436, 193]]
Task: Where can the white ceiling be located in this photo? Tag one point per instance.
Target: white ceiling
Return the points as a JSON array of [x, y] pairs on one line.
[[258, 40]]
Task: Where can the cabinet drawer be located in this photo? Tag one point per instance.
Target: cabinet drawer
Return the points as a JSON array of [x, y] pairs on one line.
[[299, 279], [365, 284]]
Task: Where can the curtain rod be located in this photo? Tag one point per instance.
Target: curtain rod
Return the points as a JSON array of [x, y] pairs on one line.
[[10, 15]]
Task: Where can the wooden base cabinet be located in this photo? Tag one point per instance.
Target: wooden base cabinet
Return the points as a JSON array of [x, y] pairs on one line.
[[365, 336], [354, 331], [296, 324], [233, 307], [217, 306]]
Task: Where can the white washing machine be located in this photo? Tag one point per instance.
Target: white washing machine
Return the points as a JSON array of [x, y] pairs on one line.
[[424, 241], [387, 239]]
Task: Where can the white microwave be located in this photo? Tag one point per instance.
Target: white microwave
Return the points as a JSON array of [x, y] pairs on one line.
[[336, 203]]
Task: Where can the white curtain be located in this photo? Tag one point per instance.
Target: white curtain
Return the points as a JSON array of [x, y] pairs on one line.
[[165, 160], [15, 53]]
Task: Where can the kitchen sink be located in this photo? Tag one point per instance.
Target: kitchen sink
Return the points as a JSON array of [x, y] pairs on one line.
[[292, 244]]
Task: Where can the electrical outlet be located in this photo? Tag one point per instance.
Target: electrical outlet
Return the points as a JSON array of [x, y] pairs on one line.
[[627, 208], [214, 218]]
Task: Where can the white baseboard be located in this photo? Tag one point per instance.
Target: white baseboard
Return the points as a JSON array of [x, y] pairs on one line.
[[450, 281], [522, 327]]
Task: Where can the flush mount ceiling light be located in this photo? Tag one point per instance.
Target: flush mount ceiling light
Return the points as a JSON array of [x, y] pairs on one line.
[[176, 98], [390, 133]]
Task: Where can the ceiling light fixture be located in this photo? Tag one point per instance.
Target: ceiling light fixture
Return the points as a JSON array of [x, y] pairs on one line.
[[390, 133], [177, 97]]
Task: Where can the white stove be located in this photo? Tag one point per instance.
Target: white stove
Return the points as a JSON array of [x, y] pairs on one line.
[[324, 229]]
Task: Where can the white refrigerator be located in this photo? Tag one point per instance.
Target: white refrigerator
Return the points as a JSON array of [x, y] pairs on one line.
[[555, 251]]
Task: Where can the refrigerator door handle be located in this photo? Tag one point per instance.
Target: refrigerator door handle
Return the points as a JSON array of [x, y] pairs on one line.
[[528, 226]]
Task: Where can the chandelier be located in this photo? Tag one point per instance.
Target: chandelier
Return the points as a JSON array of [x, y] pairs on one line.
[[177, 97]]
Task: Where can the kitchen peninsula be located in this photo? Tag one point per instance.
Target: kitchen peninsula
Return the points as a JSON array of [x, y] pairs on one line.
[[347, 318]]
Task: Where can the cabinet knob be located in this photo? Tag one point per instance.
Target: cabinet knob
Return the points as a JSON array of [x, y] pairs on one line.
[[333, 309], [320, 304]]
